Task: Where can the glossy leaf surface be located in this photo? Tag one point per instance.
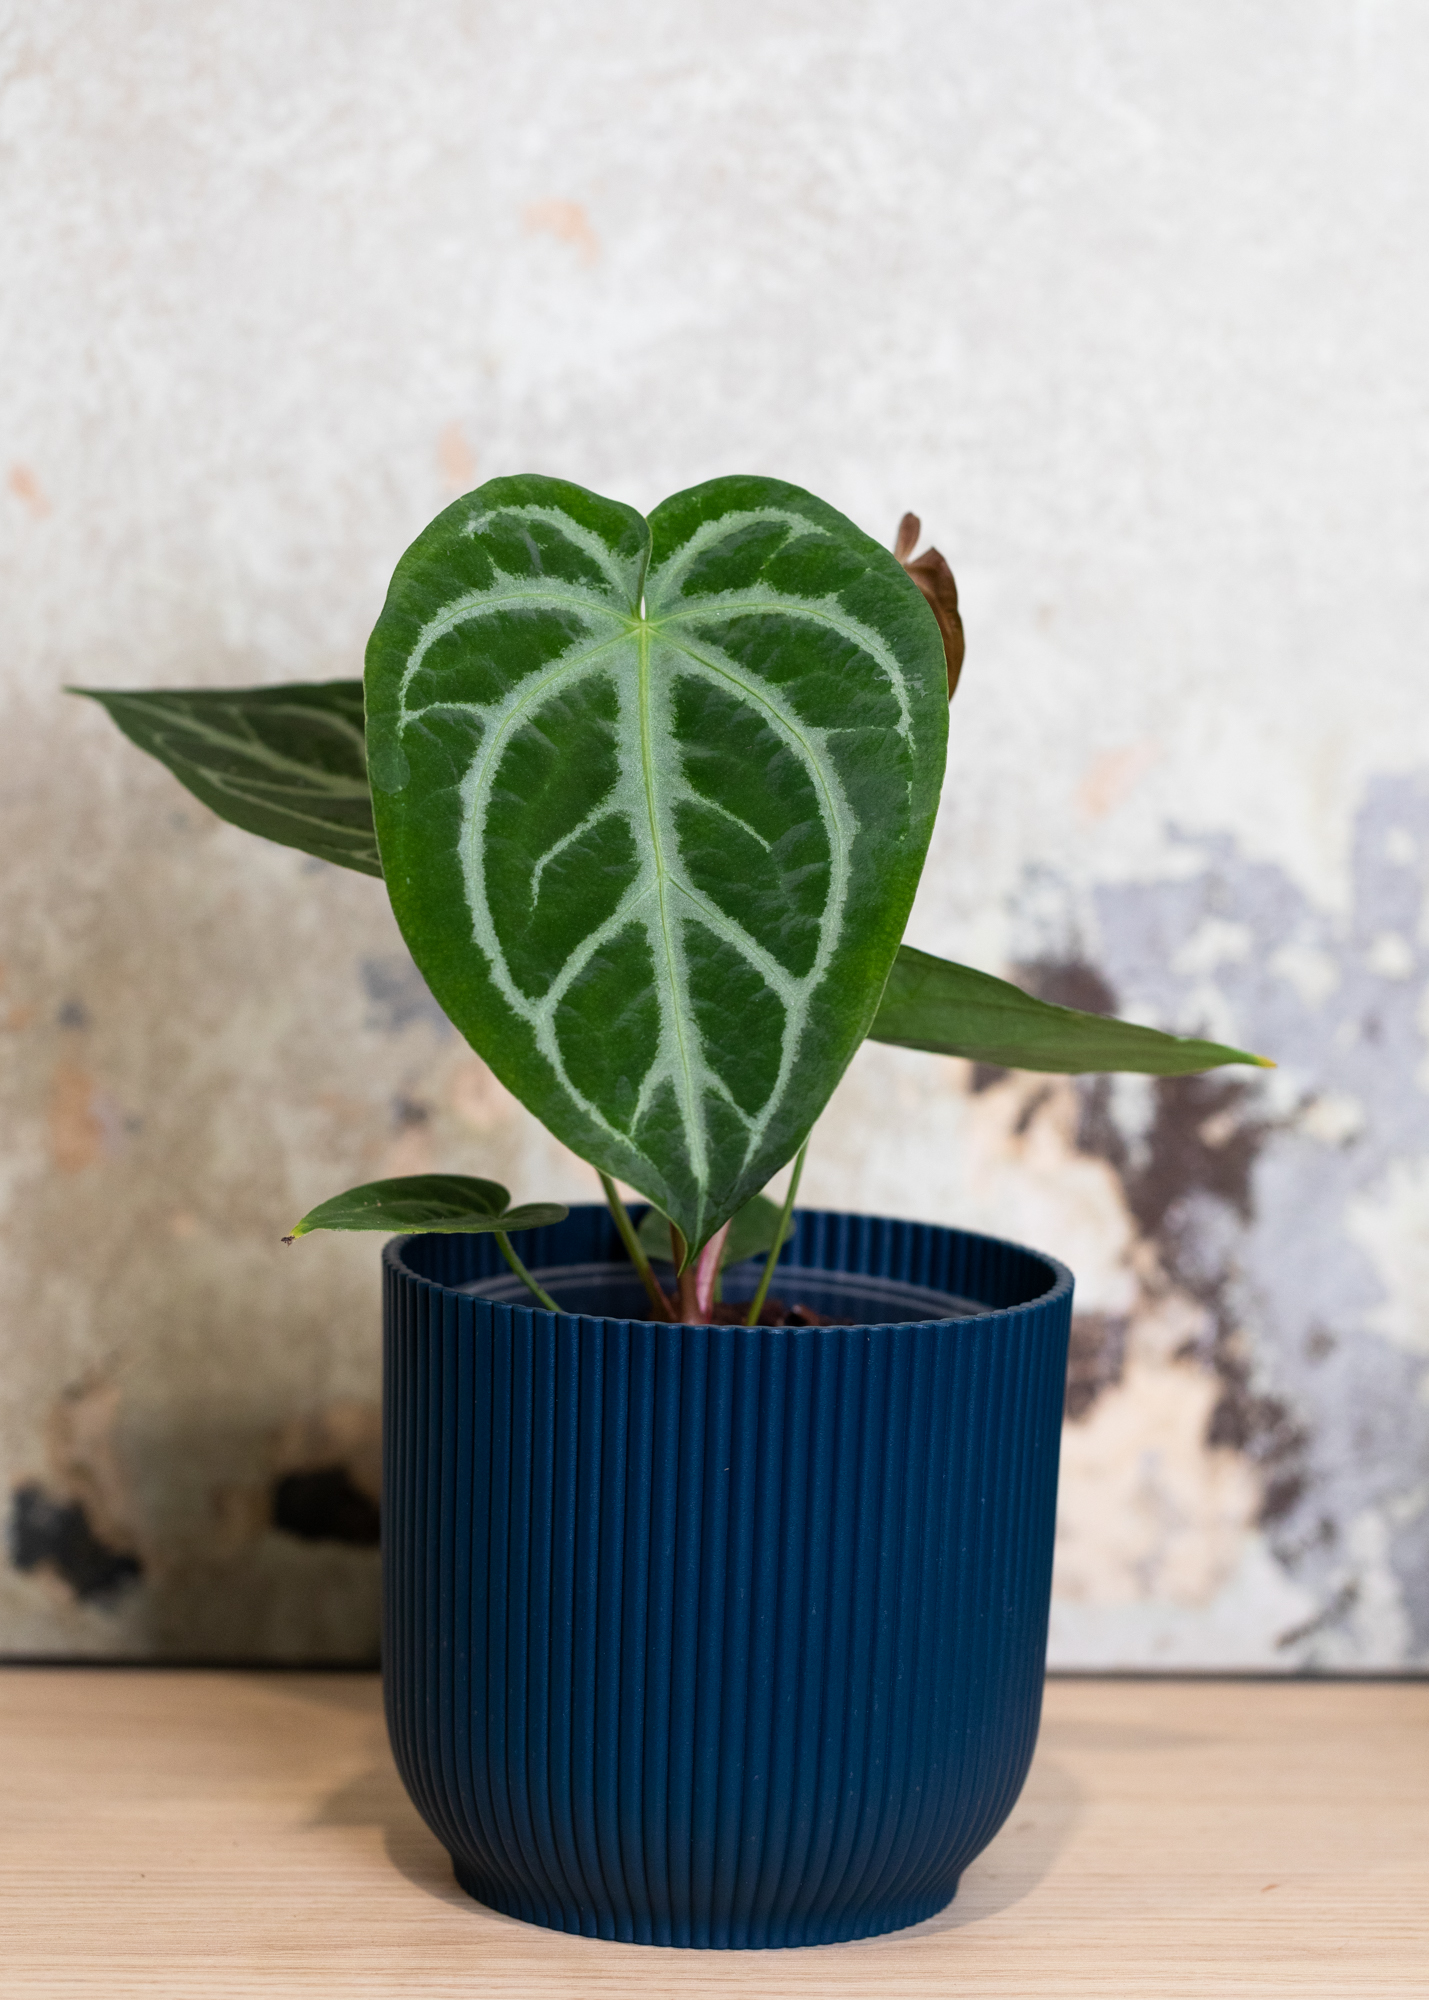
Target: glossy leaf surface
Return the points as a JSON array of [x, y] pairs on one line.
[[653, 800], [429, 1203], [951, 1010], [285, 762]]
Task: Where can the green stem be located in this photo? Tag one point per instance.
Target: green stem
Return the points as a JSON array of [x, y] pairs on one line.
[[653, 1288], [687, 1301], [504, 1245], [756, 1304]]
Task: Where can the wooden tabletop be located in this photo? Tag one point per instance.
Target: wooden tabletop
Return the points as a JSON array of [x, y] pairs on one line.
[[213, 1834]]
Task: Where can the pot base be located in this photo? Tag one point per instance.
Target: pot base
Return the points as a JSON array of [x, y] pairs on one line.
[[838, 1927]]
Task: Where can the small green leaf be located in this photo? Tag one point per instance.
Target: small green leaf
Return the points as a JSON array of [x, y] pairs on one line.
[[951, 1010], [754, 1229], [426, 1204], [285, 762], [654, 1235], [653, 798], [751, 1232]]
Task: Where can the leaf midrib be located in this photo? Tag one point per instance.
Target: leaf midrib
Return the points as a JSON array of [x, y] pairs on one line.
[[643, 631], [689, 1109], [745, 687]]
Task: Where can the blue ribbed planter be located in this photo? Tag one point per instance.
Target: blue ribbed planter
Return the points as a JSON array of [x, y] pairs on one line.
[[719, 1635]]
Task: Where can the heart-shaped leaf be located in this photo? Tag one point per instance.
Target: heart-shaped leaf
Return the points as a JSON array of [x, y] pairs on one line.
[[286, 762], [951, 1010], [429, 1204], [652, 801]]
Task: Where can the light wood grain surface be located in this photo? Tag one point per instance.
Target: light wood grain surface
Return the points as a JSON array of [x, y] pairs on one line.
[[217, 1834]]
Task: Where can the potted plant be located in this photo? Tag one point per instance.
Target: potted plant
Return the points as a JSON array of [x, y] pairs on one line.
[[711, 1617]]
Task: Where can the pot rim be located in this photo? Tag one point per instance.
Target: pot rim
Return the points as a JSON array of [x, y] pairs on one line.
[[1059, 1279]]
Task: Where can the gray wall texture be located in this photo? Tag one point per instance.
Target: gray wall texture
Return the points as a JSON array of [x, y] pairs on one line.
[[1127, 298]]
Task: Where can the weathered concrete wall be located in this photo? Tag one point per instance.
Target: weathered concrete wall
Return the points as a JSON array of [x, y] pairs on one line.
[[1125, 300]]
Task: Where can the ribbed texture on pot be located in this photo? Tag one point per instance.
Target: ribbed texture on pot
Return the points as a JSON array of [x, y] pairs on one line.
[[719, 1635]]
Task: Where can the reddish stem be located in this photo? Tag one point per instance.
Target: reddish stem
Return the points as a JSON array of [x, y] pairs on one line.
[[707, 1273]]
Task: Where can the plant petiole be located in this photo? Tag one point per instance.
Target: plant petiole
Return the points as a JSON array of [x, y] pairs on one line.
[[707, 1270], [756, 1304], [689, 1297], [654, 1291], [504, 1245]]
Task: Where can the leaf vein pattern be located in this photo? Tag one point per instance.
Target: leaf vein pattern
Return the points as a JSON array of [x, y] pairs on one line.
[[583, 538], [243, 741], [642, 657], [764, 597]]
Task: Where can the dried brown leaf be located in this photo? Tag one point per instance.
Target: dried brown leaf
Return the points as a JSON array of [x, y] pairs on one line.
[[933, 577]]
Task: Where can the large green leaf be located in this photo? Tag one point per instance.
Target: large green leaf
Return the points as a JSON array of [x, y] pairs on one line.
[[653, 800], [443, 1204], [286, 762], [930, 1003]]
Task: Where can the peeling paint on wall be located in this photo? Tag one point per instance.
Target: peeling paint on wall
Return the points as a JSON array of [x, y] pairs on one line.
[[78, 1526], [1281, 1220], [58, 1536]]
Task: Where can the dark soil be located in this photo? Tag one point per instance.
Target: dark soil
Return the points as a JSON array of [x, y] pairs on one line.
[[776, 1313]]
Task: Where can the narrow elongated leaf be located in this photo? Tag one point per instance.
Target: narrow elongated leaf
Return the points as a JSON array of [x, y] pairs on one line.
[[653, 800], [752, 1230], [431, 1204], [286, 762], [931, 1003]]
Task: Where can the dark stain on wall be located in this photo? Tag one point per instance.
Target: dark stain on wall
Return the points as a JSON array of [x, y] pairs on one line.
[[56, 1535], [1334, 1614], [1095, 1360], [1065, 983], [322, 1504], [1200, 1146], [397, 995], [1068, 982], [1201, 1141]]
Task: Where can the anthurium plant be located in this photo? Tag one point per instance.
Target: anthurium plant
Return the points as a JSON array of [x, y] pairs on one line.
[[651, 799]]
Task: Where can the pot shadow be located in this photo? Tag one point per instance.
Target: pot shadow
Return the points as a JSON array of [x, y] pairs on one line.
[[1046, 1814], [355, 1690], [1019, 1856], [376, 1796], [377, 1799], [1092, 1736]]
